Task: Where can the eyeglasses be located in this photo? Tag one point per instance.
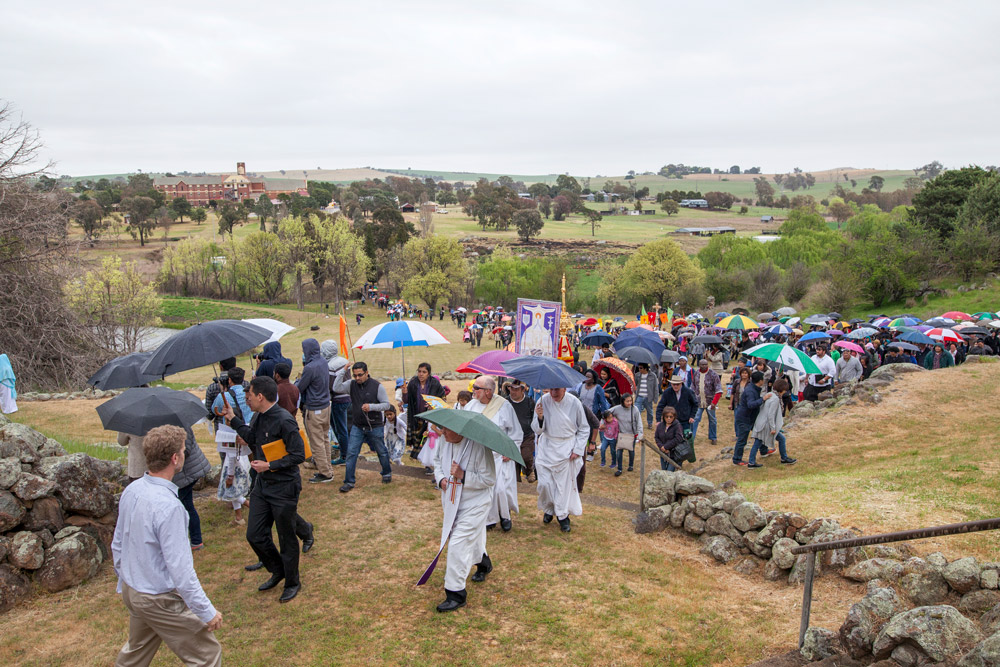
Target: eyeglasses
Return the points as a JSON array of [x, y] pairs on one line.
[[475, 388], [358, 375]]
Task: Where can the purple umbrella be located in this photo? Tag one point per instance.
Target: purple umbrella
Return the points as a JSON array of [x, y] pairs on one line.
[[488, 363]]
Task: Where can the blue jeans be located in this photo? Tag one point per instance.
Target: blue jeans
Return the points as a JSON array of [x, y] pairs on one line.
[[758, 446], [376, 440], [338, 425], [605, 444], [186, 496], [620, 454], [712, 423], [742, 434], [645, 405]]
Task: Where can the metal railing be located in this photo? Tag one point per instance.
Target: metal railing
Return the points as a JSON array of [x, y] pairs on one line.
[[900, 536]]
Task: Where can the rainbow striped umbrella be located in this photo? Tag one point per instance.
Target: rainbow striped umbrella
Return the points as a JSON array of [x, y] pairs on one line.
[[737, 322]]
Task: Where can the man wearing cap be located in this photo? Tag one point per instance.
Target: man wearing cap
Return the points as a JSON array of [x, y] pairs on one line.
[[561, 435], [708, 389], [524, 408]]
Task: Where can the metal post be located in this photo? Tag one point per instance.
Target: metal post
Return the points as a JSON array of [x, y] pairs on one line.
[[642, 479], [402, 355], [807, 594]]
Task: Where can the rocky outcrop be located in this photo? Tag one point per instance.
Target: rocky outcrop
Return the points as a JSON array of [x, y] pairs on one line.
[[940, 633]]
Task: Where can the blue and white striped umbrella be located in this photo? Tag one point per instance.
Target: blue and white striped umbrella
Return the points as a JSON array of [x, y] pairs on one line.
[[779, 330], [400, 334]]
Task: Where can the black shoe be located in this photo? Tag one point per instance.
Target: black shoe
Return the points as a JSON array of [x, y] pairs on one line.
[[414, 453], [346, 487], [289, 593], [789, 461], [307, 543], [547, 518], [320, 479], [490, 526], [386, 479], [618, 473], [754, 465], [454, 600], [506, 525], [484, 567], [630, 468], [271, 583], [428, 470], [253, 568], [564, 525]]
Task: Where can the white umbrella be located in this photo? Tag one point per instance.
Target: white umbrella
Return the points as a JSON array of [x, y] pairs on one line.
[[787, 310], [277, 328], [401, 334]]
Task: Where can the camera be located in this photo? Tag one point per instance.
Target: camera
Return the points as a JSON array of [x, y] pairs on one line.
[[222, 378]]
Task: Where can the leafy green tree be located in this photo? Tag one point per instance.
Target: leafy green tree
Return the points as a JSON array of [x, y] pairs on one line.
[[929, 171], [537, 190], [181, 207], [264, 209], [528, 223], [300, 246], [545, 206], [765, 191], [803, 220], [670, 207], [345, 264], [260, 262], [840, 212], [594, 218], [764, 290], [973, 250], [798, 278], [655, 273], [567, 182], [982, 205], [561, 207], [936, 206], [229, 217], [433, 268], [730, 252], [139, 216], [876, 183], [116, 303], [90, 216], [199, 215]]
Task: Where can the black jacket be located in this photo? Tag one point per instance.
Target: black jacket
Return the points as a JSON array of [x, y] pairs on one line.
[[274, 424], [686, 404]]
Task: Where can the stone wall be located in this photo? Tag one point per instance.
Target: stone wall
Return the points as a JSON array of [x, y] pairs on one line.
[[917, 611], [57, 513]]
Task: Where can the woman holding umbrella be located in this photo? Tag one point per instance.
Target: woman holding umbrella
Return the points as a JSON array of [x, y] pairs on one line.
[[610, 387], [420, 385]]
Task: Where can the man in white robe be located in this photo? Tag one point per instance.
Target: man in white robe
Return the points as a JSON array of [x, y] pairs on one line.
[[500, 412], [561, 434], [469, 464]]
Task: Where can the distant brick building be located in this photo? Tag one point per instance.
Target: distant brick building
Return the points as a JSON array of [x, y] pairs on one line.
[[200, 190]]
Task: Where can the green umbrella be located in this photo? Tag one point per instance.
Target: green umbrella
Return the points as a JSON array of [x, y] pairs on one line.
[[784, 354], [476, 428]]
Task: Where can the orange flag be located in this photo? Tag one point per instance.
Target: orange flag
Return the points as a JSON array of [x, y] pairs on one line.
[[343, 338]]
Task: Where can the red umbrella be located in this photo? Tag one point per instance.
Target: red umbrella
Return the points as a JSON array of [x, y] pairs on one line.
[[957, 315], [589, 322], [620, 373]]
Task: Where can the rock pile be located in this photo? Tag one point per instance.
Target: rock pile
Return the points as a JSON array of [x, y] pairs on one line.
[[29, 396], [57, 513]]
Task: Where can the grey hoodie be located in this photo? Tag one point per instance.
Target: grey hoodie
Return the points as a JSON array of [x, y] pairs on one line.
[[314, 385], [335, 363]]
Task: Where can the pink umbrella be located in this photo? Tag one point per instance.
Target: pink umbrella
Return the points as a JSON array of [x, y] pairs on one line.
[[848, 345], [488, 363], [944, 335]]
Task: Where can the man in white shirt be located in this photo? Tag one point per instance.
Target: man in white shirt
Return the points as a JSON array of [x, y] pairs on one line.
[[152, 558], [824, 380], [561, 435]]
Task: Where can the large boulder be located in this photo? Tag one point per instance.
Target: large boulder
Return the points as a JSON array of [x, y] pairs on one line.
[[734, 500], [11, 511], [927, 588], [701, 507], [990, 621], [838, 559], [989, 576], [866, 618], [941, 632], [875, 568], [653, 520], [782, 554], [20, 441], [819, 643], [79, 488], [774, 573], [819, 526], [74, 558], [678, 511], [688, 485], [45, 514], [977, 603], [660, 486], [720, 524], [51, 447], [13, 587], [984, 654], [26, 551], [962, 575], [694, 525], [773, 531], [721, 548], [10, 470], [32, 487], [748, 516]]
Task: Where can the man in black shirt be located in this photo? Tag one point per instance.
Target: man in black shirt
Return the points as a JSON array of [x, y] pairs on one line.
[[275, 495], [524, 408]]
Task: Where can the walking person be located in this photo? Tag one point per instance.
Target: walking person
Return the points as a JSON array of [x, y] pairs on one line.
[[151, 556], [647, 392], [314, 399], [420, 385], [629, 431], [195, 467], [340, 403], [561, 436], [767, 427], [670, 440], [746, 414], [275, 496], [708, 389], [524, 408], [369, 401]]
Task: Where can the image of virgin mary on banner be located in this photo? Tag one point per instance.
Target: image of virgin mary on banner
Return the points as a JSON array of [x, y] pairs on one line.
[[537, 327]]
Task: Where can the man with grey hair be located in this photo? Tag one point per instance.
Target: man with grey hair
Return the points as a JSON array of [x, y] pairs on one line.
[[499, 411], [848, 366]]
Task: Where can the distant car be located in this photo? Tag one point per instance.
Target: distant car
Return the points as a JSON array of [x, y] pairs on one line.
[[442, 211]]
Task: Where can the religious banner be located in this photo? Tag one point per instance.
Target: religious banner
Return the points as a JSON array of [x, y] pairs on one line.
[[537, 327]]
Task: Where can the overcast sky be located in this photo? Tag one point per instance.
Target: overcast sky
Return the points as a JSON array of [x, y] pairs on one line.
[[514, 87]]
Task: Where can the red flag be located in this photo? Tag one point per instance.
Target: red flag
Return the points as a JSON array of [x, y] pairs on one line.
[[343, 337]]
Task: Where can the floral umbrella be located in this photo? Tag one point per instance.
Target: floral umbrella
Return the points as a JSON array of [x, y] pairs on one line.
[[620, 373]]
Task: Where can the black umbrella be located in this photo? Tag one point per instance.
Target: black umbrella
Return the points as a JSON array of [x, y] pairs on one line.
[[669, 357], [123, 372], [637, 355], [707, 340], [856, 320], [203, 344], [138, 410], [976, 331], [834, 315]]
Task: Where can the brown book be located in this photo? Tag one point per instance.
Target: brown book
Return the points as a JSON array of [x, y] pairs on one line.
[[276, 450]]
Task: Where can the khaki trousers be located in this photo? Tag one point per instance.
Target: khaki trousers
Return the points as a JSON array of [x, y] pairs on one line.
[[318, 432], [165, 618]]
